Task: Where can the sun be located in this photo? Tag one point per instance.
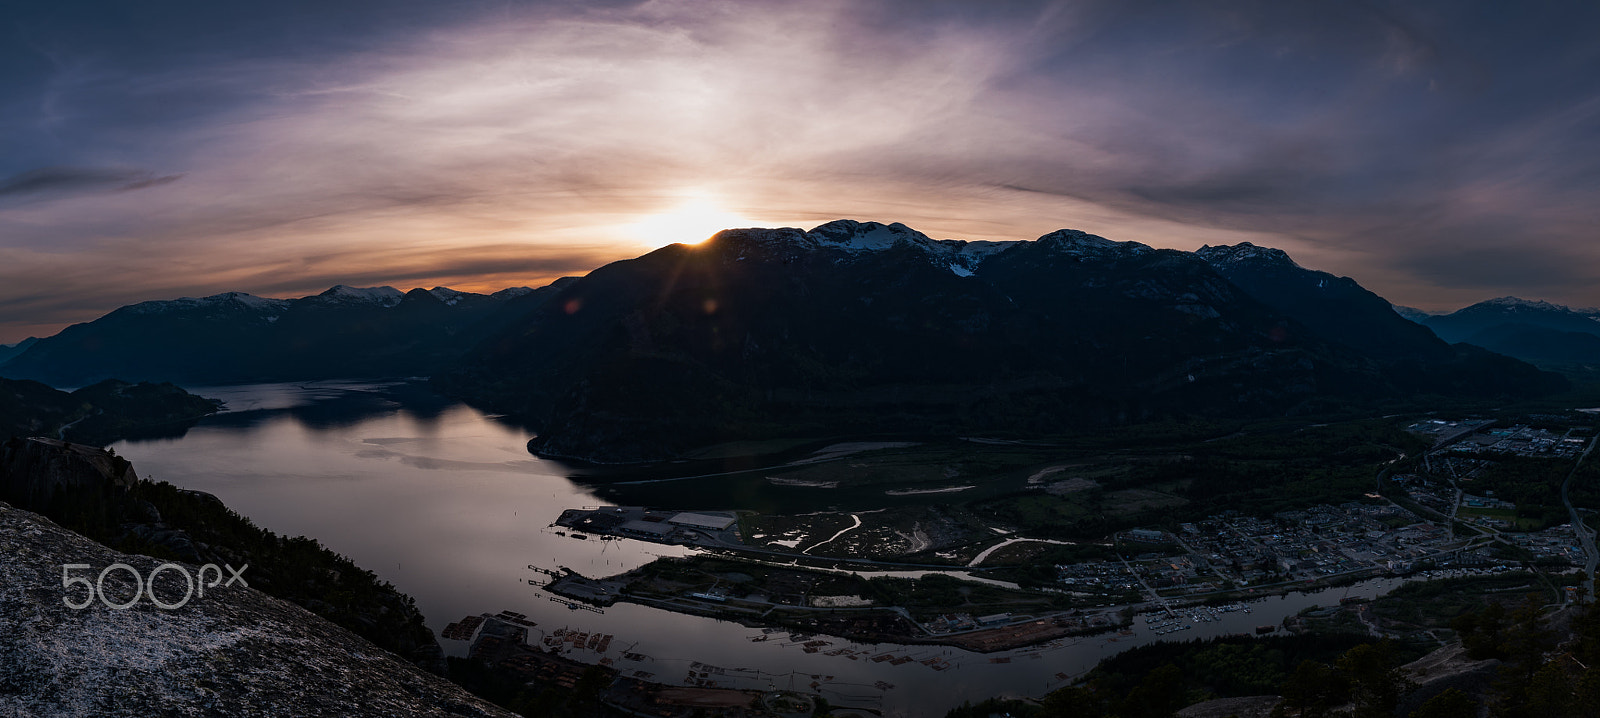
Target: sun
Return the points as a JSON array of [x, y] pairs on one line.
[[692, 221]]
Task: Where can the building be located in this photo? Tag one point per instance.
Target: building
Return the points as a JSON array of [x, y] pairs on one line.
[[645, 529], [1147, 536], [709, 522]]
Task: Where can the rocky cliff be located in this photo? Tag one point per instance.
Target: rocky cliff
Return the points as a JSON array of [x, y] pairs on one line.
[[98, 494], [234, 651]]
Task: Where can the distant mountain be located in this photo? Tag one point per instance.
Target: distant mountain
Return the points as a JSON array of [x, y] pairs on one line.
[[1460, 325], [863, 327], [1339, 310], [98, 414], [1535, 331], [345, 332], [10, 350], [1412, 313]]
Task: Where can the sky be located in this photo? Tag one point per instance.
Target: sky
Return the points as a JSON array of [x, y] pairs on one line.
[[1441, 153]]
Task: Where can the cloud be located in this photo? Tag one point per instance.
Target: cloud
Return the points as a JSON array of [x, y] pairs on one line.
[[510, 142], [47, 292], [66, 181]]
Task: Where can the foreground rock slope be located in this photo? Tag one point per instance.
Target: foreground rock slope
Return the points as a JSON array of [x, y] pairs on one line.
[[232, 652]]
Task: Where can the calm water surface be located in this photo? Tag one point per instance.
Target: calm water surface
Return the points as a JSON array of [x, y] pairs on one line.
[[447, 504]]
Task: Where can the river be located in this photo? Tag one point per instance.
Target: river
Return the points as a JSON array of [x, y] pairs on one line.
[[447, 504]]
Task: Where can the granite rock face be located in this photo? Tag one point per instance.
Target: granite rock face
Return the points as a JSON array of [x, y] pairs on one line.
[[1245, 707], [1446, 668], [51, 467], [230, 652]]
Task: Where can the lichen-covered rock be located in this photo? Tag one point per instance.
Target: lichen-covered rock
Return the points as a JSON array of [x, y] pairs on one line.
[[1246, 707], [231, 652], [1446, 668]]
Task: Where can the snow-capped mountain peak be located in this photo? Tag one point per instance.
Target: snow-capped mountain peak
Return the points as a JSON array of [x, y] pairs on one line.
[[225, 299], [1078, 243], [381, 296], [514, 292], [1519, 304], [447, 295], [251, 300], [1244, 252], [853, 236], [962, 257], [1412, 313]]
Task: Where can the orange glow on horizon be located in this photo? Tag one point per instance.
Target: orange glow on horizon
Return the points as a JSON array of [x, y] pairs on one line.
[[692, 221]]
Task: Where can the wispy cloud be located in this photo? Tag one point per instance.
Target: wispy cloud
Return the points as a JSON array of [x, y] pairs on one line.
[[1438, 155], [67, 181]]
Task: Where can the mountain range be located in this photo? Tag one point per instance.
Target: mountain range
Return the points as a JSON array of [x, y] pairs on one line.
[[861, 328], [235, 337], [849, 328]]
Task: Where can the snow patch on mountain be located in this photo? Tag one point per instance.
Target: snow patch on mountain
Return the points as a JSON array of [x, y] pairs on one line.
[[851, 239], [252, 301], [1519, 304], [381, 296], [858, 239], [1078, 243], [514, 292], [1412, 313], [248, 301], [1244, 252], [447, 295], [854, 237]]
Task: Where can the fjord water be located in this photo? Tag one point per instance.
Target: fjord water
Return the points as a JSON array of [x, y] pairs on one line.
[[447, 504]]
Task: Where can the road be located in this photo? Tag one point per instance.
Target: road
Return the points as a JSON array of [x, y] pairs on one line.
[[1155, 598], [1585, 534]]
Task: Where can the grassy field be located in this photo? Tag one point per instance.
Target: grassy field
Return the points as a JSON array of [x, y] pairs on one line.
[[1518, 523]]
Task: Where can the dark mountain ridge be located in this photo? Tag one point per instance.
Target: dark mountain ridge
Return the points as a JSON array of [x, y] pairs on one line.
[[100, 413], [234, 337], [1342, 311], [10, 350], [862, 327]]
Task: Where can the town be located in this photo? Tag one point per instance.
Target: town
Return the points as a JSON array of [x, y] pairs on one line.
[[1458, 511]]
